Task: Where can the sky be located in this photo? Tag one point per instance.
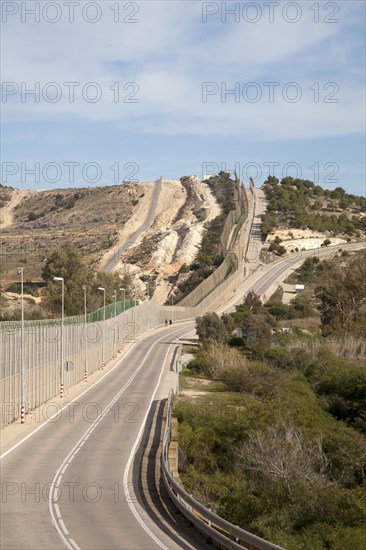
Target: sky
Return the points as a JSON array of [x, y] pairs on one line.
[[97, 93]]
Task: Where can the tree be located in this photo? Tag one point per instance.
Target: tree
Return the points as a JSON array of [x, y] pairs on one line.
[[341, 296], [280, 453], [229, 324], [66, 262], [240, 314], [253, 302], [111, 282], [210, 327], [257, 329]]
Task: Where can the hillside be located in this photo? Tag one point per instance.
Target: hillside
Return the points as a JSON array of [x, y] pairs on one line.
[[42, 220], [168, 225], [303, 215], [272, 423]]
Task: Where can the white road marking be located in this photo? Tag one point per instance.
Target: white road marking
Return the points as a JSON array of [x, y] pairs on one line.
[[52, 507], [65, 406], [132, 454]]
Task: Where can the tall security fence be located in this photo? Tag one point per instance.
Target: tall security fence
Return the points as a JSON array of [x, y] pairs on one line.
[[111, 310], [53, 353], [234, 220], [36, 360], [232, 245]]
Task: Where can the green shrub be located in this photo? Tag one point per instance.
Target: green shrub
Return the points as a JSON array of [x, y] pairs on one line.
[[237, 342]]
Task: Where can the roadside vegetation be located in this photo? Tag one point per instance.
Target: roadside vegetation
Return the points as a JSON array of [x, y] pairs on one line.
[[301, 204], [272, 417], [67, 262]]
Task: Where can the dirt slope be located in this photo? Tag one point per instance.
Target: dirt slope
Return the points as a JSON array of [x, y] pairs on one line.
[[100, 221]]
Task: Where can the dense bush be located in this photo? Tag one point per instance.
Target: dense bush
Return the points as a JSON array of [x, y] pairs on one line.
[[295, 202]]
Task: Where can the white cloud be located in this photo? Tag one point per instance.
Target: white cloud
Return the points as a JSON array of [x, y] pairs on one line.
[[169, 53]]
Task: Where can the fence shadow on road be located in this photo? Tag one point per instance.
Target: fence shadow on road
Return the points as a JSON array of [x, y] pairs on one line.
[[149, 488]]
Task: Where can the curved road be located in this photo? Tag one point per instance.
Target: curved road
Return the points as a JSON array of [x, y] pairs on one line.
[[70, 483], [132, 239]]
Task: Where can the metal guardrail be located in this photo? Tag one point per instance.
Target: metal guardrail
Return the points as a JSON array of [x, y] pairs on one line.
[[224, 533]]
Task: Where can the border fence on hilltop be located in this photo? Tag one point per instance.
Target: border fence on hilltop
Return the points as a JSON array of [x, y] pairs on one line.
[[85, 347], [232, 247]]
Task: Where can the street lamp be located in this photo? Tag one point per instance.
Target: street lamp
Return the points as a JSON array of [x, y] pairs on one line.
[[115, 315], [62, 385], [124, 298], [86, 338], [172, 296], [115, 302], [103, 337], [20, 271]]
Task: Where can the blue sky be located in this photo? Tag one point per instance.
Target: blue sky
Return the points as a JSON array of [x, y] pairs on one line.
[[172, 63]]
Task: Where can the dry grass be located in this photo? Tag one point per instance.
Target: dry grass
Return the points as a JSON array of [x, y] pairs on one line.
[[349, 346], [221, 358]]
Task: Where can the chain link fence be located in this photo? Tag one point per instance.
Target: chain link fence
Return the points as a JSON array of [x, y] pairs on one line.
[[52, 352]]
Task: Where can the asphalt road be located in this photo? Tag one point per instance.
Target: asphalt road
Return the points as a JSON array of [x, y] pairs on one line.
[[70, 484], [266, 277], [255, 242]]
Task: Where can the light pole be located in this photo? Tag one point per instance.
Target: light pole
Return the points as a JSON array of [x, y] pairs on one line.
[[62, 385], [115, 315], [124, 298], [103, 337], [86, 338], [20, 271], [172, 295], [115, 302]]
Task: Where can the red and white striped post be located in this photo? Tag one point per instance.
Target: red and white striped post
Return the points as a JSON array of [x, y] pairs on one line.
[[22, 414], [62, 390]]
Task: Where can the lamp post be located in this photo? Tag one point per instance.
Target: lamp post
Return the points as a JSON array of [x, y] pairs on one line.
[[115, 302], [103, 336], [86, 338], [172, 296], [62, 385], [20, 271], [124, 297], [115, 315]]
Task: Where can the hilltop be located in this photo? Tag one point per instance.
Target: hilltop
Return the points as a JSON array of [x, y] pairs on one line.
[[160, 225], [301, 214]]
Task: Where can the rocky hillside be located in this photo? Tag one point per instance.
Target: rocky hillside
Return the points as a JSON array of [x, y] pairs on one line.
[[174, 238], [33, 223], [99, 220]]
